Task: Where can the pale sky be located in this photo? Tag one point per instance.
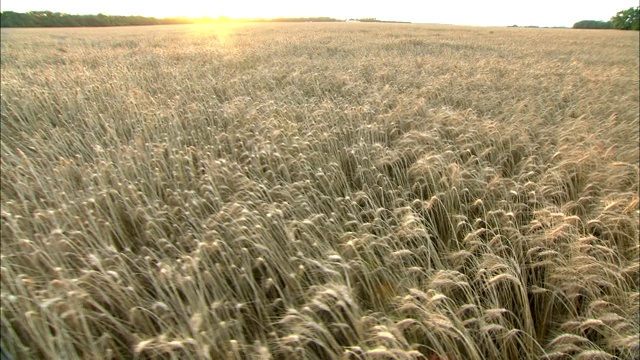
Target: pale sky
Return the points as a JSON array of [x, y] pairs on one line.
[[459, 12]]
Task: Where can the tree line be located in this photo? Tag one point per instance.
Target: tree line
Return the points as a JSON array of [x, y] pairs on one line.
[[623, 20], [56, 19]]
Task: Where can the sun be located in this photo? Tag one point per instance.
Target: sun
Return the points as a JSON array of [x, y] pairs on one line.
[[248, 9], [253, 9], [239, 9], [199, 9]]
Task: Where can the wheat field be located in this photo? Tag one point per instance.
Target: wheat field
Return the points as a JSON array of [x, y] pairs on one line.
[[319, 191]]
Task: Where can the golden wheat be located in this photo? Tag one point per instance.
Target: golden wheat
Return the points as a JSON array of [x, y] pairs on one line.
[[318, 191]]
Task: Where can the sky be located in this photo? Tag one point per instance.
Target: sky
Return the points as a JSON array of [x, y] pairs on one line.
[[457, 12]]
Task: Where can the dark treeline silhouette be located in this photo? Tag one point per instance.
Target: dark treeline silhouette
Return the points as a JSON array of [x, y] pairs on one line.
[[593, 24], [55, 19]]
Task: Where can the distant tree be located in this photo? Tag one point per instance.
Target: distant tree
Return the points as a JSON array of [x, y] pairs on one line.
[[627, 19], [593, 24]]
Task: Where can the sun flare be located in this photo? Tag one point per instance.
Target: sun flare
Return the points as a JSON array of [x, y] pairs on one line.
[[235, 10]]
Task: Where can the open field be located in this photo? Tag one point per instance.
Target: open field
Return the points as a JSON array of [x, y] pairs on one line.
[[319, 191]]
